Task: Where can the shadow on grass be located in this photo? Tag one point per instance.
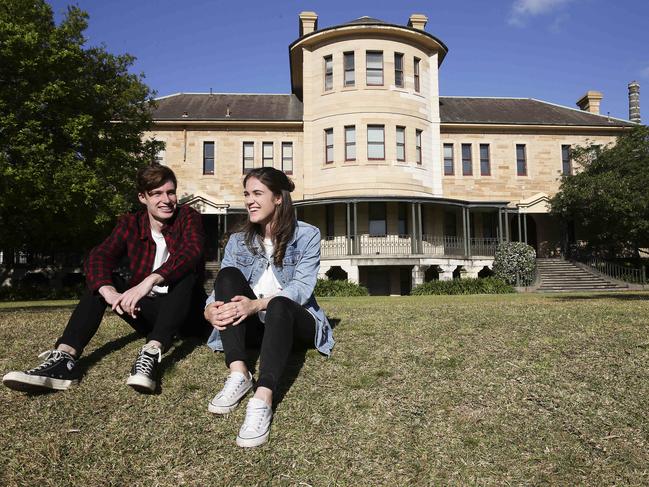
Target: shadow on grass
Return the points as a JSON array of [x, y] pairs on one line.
[[178, 353], [619, 296], [87, 361]]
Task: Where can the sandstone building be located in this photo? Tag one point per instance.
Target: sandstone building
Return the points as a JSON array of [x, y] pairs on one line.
[[404, 184]]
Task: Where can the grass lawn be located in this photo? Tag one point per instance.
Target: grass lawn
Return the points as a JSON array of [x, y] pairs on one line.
[[489, 390]]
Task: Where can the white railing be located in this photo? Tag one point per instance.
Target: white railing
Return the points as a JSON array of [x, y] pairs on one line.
[[443, 246]]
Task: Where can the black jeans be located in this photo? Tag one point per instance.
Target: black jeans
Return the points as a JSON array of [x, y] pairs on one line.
[[159, 318], [288, 325]]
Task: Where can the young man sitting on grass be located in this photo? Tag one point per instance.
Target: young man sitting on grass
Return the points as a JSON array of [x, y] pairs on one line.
[[164, 245]]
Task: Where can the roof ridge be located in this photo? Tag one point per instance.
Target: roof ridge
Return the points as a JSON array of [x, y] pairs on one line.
[[608, 117], [219, 93]]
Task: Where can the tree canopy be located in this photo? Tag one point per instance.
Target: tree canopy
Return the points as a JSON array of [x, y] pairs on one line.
[[71, 125], [608, 198]]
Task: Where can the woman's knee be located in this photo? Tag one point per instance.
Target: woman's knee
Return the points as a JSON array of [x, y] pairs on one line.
[[229, 276], [279, 304]]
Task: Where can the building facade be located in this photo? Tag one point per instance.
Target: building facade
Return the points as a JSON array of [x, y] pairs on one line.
[[404, 184]]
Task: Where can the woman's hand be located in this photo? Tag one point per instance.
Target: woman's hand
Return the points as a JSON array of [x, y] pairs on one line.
[[221, 315]]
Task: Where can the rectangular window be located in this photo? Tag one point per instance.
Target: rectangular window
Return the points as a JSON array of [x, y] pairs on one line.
[[350, 143], [208, 157], [375, 142], [398, 69], [159, 157], [374, 68], [565, 160], [329, 146], [521, 160], [449, 166], [403, 219], [418, 145], [267, 154], [416, 72], [248, 157], [485, 160], [377, 220], [328, 73], [401, 144], [287, 157], [467, 160], [350, 75]]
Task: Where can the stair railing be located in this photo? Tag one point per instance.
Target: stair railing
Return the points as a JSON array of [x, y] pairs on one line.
[[617, 271]]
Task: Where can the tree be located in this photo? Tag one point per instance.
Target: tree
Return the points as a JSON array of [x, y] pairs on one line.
[[71, 125], [608, 199]]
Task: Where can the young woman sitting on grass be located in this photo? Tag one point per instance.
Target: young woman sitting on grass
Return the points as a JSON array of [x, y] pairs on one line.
[[263, 296]]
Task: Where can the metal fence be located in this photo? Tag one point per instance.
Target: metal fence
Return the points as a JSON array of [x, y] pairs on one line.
[[617, 271]]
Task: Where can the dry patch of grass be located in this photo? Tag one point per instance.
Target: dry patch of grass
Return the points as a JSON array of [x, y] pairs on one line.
[[495, 390]]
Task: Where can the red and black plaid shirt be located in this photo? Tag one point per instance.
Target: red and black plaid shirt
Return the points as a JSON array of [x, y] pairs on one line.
[[132, 237]]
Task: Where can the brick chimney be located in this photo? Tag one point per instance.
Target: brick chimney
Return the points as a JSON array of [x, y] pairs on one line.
[[634, 102], [308, 23], [417, 21], [590, 102]]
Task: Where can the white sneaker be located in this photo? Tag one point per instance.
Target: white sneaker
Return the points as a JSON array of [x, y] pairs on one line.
[[236, 387], [256, 426]]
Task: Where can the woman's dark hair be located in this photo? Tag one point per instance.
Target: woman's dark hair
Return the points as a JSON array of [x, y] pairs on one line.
[[153, 176], [283, 224]]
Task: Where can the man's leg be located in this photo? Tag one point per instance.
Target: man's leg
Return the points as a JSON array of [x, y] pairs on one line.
[[58, 370]]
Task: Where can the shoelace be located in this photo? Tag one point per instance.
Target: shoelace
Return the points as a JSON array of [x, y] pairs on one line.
[[255, 416], [144, 363], [232, 384], [50, 356]]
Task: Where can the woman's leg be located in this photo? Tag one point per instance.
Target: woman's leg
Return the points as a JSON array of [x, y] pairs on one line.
[[288, 325], [229, 283]]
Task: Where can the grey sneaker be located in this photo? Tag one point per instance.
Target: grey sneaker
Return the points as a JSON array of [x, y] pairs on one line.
[[236, 387], [143, 373], [57, 372], [256, 426]]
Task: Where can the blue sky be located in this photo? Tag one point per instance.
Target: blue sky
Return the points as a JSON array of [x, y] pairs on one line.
[[553, 50]]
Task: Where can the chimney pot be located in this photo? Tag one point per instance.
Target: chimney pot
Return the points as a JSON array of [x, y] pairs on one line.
[[308, 23], [417, 21], [634, 102], [590, 102]]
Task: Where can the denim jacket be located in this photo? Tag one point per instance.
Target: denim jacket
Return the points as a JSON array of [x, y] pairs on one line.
[[297, 277]]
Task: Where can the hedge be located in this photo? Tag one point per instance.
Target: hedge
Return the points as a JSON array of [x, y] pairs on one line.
[[488, 285], [327, 288]]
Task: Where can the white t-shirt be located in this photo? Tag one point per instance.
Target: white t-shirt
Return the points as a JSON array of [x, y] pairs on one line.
[[161, 256], [267, 285]]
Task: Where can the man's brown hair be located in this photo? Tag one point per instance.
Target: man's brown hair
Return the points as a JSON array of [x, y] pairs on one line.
[[153, 176]]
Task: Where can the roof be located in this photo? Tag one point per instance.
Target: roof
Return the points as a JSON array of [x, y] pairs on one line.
[[364, 21], [518, 111], [205, 106], [460, 110]]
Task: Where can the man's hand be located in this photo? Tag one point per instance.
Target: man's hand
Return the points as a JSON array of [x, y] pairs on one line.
[[127, 303], [110, 295]]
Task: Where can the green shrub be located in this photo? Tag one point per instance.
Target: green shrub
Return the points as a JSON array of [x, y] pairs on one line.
[[514, 259], [24, 292], [327, 288], [488, 285]]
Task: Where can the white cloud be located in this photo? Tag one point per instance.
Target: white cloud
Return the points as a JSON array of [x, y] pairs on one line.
[[522, 10]]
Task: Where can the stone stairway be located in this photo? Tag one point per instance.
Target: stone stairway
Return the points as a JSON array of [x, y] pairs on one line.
[[211, 269], [558, 275]]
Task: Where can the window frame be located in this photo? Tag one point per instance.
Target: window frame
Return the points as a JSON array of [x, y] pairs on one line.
[[327, 133], [446, 168], [467, 162], [251, 144], [483, 160], [328, 73], [284, 158], [417, 74], [520, 173], [401, 144], [205, 158], [346, 56], [371, 143], [368, 69], [401, 84], [263, 154], [566, 162], [349, 144], [418, 144]]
